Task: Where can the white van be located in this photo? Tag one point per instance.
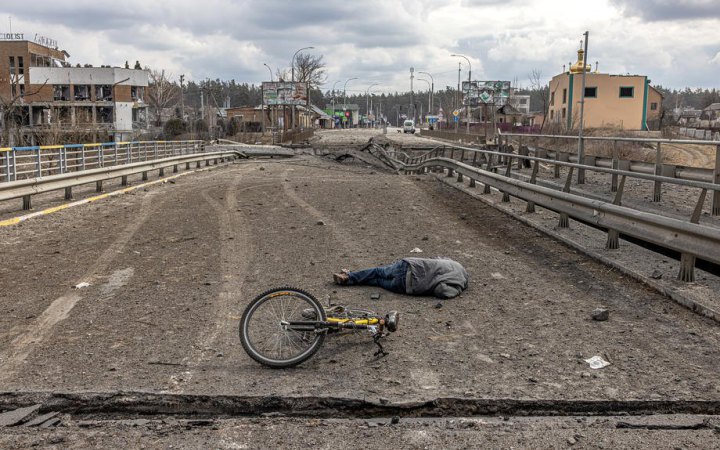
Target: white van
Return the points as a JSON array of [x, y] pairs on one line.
[[409, 127]]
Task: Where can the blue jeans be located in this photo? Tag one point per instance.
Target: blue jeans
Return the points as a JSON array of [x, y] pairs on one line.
[[390, 277]]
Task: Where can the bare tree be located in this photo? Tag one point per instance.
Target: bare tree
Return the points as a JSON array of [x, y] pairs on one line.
[[537, 85], [12, 111], [161, 94], [310, 69]]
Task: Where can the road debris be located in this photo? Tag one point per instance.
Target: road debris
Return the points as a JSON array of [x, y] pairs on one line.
[[597, 362]]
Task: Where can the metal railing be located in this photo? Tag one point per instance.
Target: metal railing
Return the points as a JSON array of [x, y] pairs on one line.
[[25, 188], [17, 163], [687, 237], [659, 167]]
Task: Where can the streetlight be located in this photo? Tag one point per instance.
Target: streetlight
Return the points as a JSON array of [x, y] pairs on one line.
[[469, 78], [432, 91], [333, 100], [269, 70], [367, 99], [345, 93], [428, 83], [292, 69]]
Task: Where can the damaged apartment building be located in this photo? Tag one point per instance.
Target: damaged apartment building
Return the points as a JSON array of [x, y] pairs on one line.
[[46, 101]]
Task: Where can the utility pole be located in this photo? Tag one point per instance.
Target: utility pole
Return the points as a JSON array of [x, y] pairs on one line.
[[182, 97], [457, 99], [581, 143], [432, 91], [412, 96]]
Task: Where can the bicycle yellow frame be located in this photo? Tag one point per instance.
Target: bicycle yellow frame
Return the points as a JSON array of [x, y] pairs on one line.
[[371, 321]]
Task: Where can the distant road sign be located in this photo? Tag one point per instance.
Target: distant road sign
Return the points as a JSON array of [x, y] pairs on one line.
[[456, 112], [456, 118]]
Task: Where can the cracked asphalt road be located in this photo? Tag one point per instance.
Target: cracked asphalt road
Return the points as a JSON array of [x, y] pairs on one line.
[[172, 267]]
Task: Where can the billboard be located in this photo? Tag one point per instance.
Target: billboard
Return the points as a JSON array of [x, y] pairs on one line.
[[284, 93], [483, 92]]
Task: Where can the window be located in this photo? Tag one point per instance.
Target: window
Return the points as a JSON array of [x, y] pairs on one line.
[[552, 114], [103, 92], [61, 92], [523, 101], [591, 92], [564, 96], [653, 106], [82, 92], [564, 113], [22, 90], [627, 91], [12, 65], [552, 99], [21, 65], [137, 93]]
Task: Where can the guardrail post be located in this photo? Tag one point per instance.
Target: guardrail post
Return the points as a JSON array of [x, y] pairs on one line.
[[657, 185], [508, 169], [38, 163], [556, 173], [14, 165], [564, 221], [187, 166], [115, 152], [716, 180], [123, 180], [615, 166], [68, 193], [197, 165], [613, 237], [175, 168], [82, 157], [161, 172], [144, 176], [687, 268], [101, 156], [128, 160], [27, 202], [207, 163], [99, 186], [155, 150], [530, 207]]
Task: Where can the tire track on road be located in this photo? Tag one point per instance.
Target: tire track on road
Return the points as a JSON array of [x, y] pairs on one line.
[[236, 256], [30, 336]]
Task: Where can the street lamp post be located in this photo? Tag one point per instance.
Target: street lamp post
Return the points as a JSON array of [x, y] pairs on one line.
[[432, 91], [272, 119], [345, 93], [581, 143], [367, 100], [333, 101], [428, 83], [469, 78], [292, 70]]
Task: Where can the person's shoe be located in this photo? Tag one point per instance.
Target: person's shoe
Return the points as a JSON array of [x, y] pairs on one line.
[[341, 278]]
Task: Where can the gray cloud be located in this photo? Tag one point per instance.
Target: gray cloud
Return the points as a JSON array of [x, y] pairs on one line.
[[668, 10], [377, 40]]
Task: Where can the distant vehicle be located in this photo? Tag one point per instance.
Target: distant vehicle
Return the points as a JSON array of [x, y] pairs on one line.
[[409, 127]]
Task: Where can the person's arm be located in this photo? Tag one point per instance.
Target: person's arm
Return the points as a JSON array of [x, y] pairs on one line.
[[443, 290]]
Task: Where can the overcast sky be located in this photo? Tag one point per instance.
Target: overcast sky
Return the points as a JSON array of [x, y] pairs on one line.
[[675, 42]]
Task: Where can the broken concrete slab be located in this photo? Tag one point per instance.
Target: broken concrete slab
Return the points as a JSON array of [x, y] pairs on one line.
[[11, 418]]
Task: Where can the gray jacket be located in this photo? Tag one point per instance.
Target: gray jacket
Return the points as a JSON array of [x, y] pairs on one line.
[[441, 277]]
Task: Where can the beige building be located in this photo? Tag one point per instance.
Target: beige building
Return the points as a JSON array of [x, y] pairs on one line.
[[41, 95], [618, 101]]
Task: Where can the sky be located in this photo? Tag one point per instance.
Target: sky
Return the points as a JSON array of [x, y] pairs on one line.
[[676, 43]]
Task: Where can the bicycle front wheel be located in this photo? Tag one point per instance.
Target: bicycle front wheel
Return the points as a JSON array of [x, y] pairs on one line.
[[268, 339]]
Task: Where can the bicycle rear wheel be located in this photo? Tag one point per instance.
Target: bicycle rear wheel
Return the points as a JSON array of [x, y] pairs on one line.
[[266, 337]]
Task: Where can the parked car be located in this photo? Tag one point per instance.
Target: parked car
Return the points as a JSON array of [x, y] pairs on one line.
[[409, 127]]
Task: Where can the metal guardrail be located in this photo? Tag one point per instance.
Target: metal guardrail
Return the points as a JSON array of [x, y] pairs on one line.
[[27, 187], [17, 163], [689, 238], [656, 168]]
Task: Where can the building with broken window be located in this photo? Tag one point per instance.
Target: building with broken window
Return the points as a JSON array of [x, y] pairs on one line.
[[611, 101], [44, 99]]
